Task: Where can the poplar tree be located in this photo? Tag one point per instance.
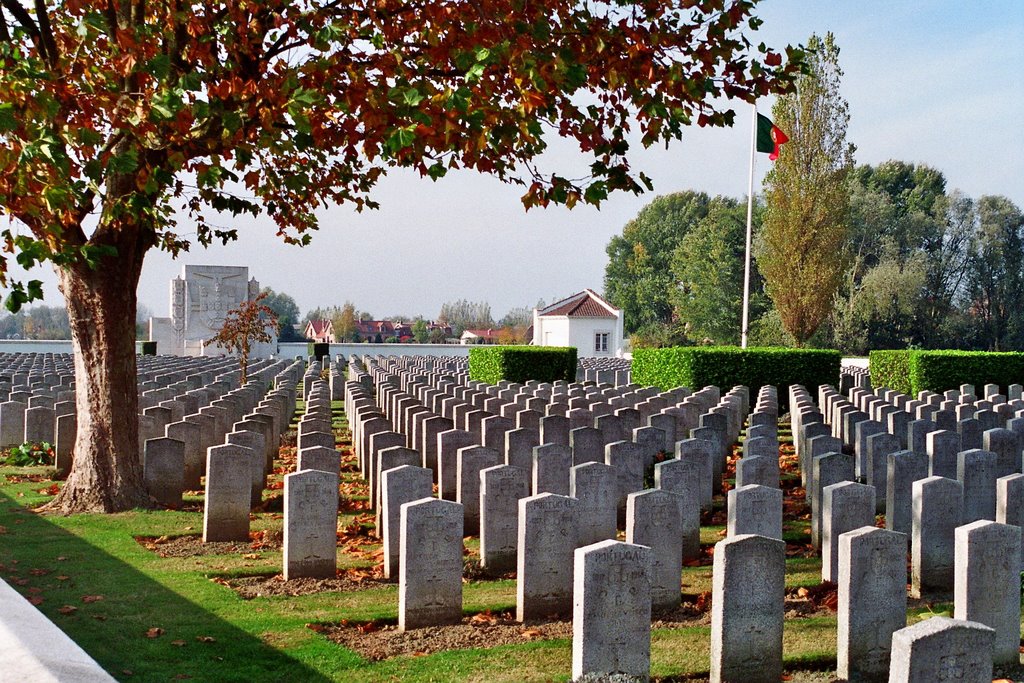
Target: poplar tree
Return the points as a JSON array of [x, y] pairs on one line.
[[807, 196]]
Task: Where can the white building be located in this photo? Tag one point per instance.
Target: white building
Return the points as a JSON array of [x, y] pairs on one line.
[[584, 320]]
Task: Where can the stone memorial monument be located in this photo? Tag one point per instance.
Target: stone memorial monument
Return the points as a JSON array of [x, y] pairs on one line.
[[200, 300]]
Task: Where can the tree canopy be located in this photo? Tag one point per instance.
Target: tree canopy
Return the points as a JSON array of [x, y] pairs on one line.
[[638, 277], [126, 126]]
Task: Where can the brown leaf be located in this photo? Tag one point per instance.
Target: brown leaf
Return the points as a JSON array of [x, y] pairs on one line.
[[154, 632], [532, 633], [38, 572], [178, 643], [316, 628], [61, 577], [68, 609], [35, 600], [484, 618], [206, 639], [251, 556], [419, 653], [368, 627], [91, 598], [3, 530]]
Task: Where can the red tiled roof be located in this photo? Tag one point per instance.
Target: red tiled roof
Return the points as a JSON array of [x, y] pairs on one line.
[[319, 326], [586, 304], [484, 334]]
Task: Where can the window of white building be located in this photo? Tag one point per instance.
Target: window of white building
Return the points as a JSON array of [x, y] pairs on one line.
[[601, 342]]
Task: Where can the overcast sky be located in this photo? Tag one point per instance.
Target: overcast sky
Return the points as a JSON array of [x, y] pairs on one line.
[[933, 82]]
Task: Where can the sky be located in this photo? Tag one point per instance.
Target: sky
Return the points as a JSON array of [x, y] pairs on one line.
[[937, 82]]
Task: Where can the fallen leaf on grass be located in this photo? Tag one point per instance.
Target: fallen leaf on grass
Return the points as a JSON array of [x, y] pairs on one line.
[[61, 577], [61, 558], [154, 632], [35, 600], [531, 633], [316, 628], [178, 643], [419, 653], [38, 572], [68, 609], [99, 617], [206, 639], [91, 598], [3, 530], [251, 556]]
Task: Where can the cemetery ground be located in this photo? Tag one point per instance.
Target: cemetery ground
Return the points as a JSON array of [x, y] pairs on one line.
[[142, 595]]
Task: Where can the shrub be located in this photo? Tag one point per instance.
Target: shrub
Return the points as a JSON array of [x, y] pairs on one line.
[[493, 364], [727, 366], [941, 370], [29, 454], [319, 350], [890, 368], [149, 348]]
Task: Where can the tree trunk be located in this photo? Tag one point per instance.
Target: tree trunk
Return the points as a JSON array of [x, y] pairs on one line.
[[106, 472]]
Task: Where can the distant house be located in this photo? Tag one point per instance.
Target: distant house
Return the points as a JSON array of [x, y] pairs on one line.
[[584, 320], [320, 331], [488, 336], [368, 330]]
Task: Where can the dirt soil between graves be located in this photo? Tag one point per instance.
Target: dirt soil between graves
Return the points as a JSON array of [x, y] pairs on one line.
[[377, 640], [192, 545]]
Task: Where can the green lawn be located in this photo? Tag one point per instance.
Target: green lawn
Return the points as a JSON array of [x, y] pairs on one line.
[[207, 632]]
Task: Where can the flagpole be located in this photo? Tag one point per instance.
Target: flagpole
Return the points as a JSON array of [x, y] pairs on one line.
[[750, 216]]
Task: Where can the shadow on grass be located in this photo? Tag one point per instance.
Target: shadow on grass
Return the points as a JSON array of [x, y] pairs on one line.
[[136, 627]]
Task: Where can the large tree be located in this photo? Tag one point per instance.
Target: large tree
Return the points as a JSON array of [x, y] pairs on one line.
[[118, 119], [707, 268], [997, 274], [807, 196], [638, 278]]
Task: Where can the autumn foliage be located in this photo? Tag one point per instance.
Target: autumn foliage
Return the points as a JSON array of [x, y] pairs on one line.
[[250, 323], [131, 125]]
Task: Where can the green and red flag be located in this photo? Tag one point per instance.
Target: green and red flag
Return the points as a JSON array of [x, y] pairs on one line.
[[769, 137]]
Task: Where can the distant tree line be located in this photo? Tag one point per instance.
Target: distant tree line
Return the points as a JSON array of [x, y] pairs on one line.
[[919, 266]]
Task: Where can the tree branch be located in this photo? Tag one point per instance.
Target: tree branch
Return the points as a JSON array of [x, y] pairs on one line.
[[23, 17], [5, 35], [46, 34]]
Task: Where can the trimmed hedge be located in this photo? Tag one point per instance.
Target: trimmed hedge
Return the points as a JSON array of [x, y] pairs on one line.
[[726, 366], [890, 368], [913, 371], [941, 370], [493, 364]]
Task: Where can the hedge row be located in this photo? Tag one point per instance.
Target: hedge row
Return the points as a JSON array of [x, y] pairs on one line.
[[890, 368], [493, 364], [726, 366], [941, 370]]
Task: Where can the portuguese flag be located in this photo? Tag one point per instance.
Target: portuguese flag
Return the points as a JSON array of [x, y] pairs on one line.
[[769, 137]]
